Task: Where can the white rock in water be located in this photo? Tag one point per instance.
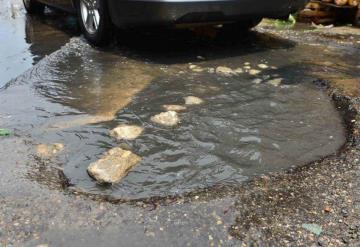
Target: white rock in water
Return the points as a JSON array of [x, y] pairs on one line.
[[275, 82], [113, 166], [169, 118], [257, 81], [222, 70], [126, 132], [247, 67], [192, 100], [254, 72], [211, 70], [174, 107], [263, 66], [49, 150], [239, 71], [196, 68], [192, 66]]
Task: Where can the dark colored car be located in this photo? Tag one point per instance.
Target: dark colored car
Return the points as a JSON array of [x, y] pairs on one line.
[[97, 17]]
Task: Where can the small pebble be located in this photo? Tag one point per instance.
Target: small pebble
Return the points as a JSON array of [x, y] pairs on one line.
[[226, 71], [247, 67], [263, 66], [192, 100], [254, 72]]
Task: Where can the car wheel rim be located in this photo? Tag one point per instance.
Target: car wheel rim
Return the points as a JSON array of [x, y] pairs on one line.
[[90, 15]]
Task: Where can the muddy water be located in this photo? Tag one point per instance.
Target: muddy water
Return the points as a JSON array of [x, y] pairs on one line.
[[77, 94]]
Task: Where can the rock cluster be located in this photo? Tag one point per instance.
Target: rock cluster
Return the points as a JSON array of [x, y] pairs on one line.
[[116, 163]]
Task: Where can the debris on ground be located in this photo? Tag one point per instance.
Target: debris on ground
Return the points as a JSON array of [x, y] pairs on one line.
[[192, 100], [113, 166], [126, 132], [196, 68], [174, 108], [328, 12], [5, 132], [169, 118], [49, 150], [313, 228], [226, 71], [327, 210], [290, 22]]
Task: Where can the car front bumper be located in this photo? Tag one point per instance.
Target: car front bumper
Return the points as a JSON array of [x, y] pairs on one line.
[[125, 13]]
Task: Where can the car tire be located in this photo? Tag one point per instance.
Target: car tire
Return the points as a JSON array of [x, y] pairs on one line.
[[94, 20], [33, 7]]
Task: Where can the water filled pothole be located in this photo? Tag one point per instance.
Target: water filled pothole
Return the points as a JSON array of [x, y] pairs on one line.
[[242, 129]]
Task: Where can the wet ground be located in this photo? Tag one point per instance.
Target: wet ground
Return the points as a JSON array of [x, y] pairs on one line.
[[27, 39], [272, 117]]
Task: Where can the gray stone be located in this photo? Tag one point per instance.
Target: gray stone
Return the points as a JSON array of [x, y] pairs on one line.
[[113, 166], [169, 118], [192, 100], [126, 132], [226, 71]]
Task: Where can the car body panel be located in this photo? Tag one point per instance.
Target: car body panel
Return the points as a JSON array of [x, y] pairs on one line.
[[129, 13], [167, 12]]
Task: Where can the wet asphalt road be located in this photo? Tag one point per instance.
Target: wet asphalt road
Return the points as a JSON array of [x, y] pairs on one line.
[[38, 208]]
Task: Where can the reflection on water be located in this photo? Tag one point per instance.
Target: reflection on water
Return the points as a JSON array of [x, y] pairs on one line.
[[76, 95], [26, 39]]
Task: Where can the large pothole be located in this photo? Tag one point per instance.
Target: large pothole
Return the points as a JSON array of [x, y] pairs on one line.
[[266, 118]]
